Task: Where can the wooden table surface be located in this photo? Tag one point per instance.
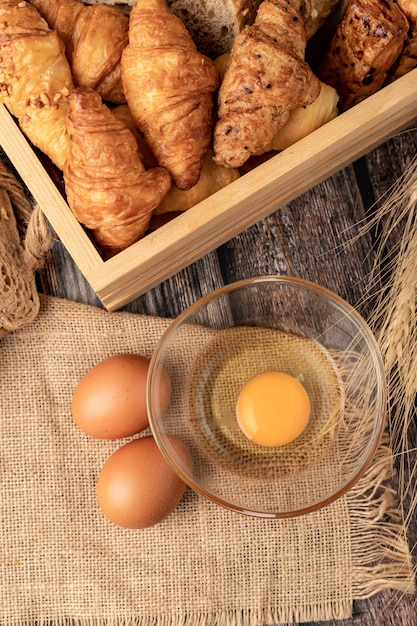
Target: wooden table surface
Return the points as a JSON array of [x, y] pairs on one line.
[[314, 237]]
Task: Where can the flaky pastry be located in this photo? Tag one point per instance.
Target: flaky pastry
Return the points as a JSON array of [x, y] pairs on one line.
[[94, 38], [213, 178], [265, 78], [168, 86], [367, 42], [35, 77], [107, 186]]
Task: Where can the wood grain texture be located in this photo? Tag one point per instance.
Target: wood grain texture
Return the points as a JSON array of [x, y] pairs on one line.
[[316, 237]]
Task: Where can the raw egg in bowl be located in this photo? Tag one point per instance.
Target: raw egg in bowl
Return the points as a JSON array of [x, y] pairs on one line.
[[278, 391]]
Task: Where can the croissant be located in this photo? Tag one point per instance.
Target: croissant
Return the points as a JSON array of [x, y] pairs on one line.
[[107, 186], [168, 86], [35, 77], [94, 38], [265, 78], [213, 177], [304, 120]]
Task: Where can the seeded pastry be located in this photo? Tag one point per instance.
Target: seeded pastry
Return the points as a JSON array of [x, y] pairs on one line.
[[368, 41], [265, 79], [407, 60]]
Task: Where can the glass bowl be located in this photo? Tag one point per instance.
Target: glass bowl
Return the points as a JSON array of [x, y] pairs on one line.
[[272, 323]]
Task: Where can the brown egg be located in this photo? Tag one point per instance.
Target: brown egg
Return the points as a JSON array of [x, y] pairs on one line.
[[136, 487], [110, 401]]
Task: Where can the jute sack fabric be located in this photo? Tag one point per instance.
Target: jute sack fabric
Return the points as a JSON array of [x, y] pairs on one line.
[[19, 301], [61, 559]]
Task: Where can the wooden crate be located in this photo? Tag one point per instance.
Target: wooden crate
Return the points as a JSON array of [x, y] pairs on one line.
[[226, 213]]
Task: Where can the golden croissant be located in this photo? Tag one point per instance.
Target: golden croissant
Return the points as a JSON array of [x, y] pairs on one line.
[[107, 186], [168, 86], [35, 77], [265, 78], [94, 38]]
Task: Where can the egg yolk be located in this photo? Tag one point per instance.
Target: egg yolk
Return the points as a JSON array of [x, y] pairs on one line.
[[273, 409]]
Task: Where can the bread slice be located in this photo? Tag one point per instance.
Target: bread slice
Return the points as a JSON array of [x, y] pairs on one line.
[[213, 25], [19, 300]]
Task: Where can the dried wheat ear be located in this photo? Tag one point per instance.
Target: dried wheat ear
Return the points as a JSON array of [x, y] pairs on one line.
[[19, 301]]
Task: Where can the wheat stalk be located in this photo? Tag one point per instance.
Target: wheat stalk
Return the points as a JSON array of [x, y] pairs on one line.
[[394, 322]]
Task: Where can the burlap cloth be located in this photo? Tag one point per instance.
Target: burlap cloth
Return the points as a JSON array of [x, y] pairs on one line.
[[61, 559]]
